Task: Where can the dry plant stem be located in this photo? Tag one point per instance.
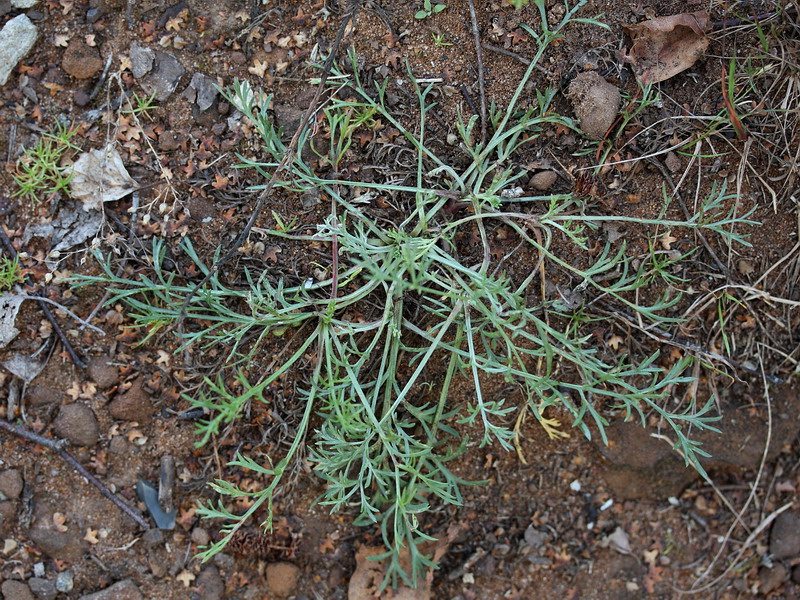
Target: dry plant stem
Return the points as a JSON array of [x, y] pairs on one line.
[[76, 359], [761, 18], [479, 56], [57, 446], [660, 335], [100, 82], [285, 161], [514, 55], [764, 523], [657, 163]]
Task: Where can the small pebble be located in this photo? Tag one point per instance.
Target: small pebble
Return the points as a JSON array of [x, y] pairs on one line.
[[544, 180], [64, 582]]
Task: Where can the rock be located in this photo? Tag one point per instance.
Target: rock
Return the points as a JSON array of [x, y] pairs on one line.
[[42, 395], [672, 162], [202, 90], [81, 60], [118, 445], [169, 141], [8, 514], [16, 39], [42, 588], [153, 537], [641, 467], [23, 3], [133, 405], [784, 539], [10, 484], [543, 180], [77, 423], [200, 536], [210, 584], [770, 579], [60, 545], [164, 77], [535, 538], [102, 372], [65, 581], [142, 60], [122, 590], [282, 578], [16, 590], [596, 103]]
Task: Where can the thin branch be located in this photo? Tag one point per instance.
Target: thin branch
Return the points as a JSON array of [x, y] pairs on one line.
[[476, 34], [519, 57], [58, 446]]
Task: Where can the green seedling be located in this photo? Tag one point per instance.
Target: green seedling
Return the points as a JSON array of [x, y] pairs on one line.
[[428, 9], [440, 40], [10, 273], [140, 105], [43, 171]]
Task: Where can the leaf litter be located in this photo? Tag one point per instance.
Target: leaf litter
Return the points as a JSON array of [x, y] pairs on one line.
[[665, 46]]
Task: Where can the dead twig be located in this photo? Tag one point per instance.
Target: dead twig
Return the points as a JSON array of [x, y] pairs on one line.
[[76, 359], [58, 446], [282, 165], [476, 35], [519, 57]]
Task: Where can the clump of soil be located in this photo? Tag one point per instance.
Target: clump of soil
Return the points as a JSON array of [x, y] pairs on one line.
[[596, 103]]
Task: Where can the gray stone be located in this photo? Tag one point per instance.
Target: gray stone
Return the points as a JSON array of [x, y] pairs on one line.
[[164, 77], [10, 484], [77, 423], [784, 539], [202, 90], [65, 581], [142, 60], [23, 3], [16, 590], [122, 590], [42, 588], [16, 40], [153, 537]]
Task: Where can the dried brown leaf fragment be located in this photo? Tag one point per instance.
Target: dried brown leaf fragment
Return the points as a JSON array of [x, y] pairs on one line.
[[665, 46]]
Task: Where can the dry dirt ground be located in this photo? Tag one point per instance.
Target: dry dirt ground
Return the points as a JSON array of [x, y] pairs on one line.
[[561, 519]]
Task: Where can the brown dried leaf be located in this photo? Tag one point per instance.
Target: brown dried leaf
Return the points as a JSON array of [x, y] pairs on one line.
[[667, 240], [91, 536], [665, 46]]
